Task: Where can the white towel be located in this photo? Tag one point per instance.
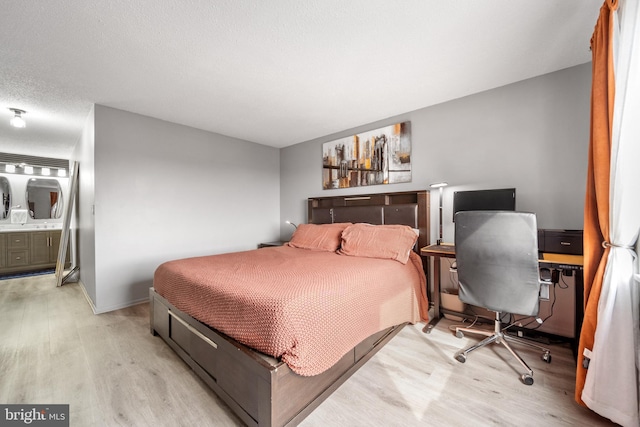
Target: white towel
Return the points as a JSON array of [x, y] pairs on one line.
[[19, 216]]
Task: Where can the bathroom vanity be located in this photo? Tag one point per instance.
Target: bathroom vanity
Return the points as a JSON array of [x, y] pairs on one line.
[[31, 250]]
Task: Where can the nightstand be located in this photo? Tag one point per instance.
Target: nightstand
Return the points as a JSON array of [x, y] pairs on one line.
[[271, 244]]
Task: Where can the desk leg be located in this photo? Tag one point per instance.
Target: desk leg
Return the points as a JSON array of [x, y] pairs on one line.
[[435, 296]]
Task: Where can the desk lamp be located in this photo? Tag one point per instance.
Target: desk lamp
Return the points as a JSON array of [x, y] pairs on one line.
[[439, 186], [292, 224]]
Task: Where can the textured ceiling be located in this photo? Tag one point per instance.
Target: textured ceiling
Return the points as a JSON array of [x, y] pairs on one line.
[[274, 72]]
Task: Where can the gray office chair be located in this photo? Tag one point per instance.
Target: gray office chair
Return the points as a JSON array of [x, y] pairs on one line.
[[497, 260]]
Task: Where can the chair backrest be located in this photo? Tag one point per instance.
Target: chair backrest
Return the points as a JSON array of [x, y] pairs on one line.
[[497, 259]]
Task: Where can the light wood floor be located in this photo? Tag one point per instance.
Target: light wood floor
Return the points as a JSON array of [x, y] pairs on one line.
[[113, 372]]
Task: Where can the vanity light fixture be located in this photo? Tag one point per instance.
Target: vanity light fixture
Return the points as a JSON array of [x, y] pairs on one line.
[[17, 121], [26, 169], [439, 186]]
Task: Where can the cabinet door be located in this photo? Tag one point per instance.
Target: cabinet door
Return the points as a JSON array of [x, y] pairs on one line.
[[54, 241], [3, 250], [39, 247]]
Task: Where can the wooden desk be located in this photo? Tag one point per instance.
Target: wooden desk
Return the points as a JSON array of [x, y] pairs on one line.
[[561, 261], [571, 261]]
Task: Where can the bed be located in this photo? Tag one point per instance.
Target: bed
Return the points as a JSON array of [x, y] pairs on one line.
[[282, 362]]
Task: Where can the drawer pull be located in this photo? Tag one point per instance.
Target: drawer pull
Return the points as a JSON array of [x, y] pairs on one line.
[[565, 243], [18, 258], [195, 331]]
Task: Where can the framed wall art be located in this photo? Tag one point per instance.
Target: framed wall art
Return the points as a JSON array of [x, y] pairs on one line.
[[379, 156]]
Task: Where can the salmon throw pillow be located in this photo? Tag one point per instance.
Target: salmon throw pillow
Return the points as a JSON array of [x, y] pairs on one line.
[[378, 241], [318, 237]]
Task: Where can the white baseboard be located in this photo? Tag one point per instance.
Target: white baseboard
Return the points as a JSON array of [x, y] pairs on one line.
[[111, 308], [120, 306], [86, 295]]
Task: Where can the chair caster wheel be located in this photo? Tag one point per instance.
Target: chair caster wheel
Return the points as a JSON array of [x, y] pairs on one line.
[[461, 358], [546, 357], [527, 379], [459, 334]]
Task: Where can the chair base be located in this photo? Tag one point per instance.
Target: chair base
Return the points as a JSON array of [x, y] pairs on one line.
[[498, 337]]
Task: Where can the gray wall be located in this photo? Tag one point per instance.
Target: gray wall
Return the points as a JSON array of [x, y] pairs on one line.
[[165, 191], [532, 135]]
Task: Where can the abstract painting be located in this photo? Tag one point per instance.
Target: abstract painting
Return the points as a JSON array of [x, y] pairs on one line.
[[379, 156]]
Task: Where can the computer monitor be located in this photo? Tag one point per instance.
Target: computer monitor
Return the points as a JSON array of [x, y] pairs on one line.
[[503, 199]]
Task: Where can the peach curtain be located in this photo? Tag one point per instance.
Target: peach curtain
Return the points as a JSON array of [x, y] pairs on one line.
[[611, 384], [596, 217]]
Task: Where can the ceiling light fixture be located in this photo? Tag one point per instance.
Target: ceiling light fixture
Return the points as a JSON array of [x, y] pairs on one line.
[[10, 168], [17, 121], [62, 172], [28, 170], [45, 171]]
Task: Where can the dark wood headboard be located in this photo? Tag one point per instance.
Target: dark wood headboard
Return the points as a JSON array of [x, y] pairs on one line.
[[407, 208]]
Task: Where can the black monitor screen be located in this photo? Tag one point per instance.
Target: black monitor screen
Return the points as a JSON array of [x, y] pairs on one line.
[[484, 200]]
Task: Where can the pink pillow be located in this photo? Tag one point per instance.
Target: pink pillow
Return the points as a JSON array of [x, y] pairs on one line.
[[378, 241], [318, 237]]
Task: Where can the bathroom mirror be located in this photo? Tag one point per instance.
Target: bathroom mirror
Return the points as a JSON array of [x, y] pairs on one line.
[[44, 198], [5, 189]]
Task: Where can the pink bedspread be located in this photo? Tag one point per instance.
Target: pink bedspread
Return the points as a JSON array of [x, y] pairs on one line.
[[307, 307]]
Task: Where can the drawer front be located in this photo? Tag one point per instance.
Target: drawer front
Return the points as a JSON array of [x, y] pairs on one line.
[[17, 241], [160, 318], [180, 333], [202, 349], [367, 344], [18, 258], [205, 354]]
